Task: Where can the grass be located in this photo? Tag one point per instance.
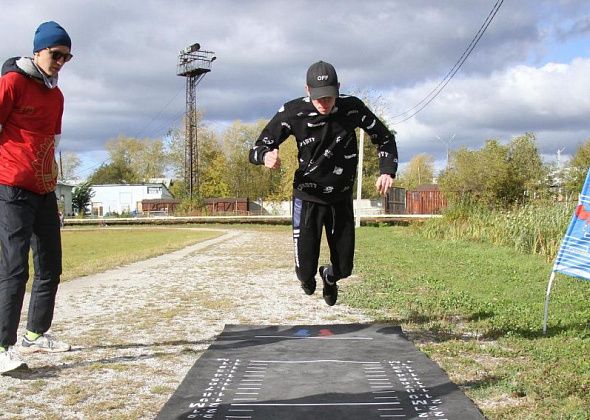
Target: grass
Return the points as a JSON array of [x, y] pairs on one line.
[[534, 228], [477, 309], [88, 251]]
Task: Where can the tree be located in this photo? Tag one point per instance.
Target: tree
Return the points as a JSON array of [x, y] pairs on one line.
[[578, 168], [496, 175], [69, 164], [174, 149], [131, 160], [81, 198], [212, 162], [370, 168], [117, 172], [527, 170], [178, 189], [289, 164], [376, 103], [478, 175], [245, 179], [144, 157], [420, 170], [213, 167]]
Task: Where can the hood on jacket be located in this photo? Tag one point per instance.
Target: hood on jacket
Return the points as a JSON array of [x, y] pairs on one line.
[[10, 66], [27, 67]]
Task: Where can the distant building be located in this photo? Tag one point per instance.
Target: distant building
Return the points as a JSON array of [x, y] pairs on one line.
[[126, 198], [63, 192], [166, 181]]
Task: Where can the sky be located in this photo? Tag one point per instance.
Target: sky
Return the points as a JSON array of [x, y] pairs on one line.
[[528, 73]]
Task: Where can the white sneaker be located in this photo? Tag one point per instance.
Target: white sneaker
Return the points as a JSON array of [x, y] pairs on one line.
[[45, 343], [9, 362]]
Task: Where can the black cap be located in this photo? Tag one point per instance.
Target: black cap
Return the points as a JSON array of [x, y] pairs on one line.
[[322, 80]]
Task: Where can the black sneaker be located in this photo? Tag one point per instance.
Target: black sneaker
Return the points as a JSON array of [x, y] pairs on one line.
[[330, 287], [308, 286]]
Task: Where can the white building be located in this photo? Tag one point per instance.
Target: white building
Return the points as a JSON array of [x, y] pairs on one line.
[[63, 193], [125, 198]]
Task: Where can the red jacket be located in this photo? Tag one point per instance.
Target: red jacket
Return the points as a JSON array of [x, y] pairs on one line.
[[30, 116]]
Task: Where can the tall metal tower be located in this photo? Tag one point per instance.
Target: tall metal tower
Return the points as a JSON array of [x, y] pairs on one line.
[[193, 63]]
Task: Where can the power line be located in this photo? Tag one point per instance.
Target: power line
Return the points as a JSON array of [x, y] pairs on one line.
[[159, 128], [158, 114], [451, 73], [168, 125]]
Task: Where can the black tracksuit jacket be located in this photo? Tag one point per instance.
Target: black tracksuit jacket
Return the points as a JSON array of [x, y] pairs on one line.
[[327, 144]]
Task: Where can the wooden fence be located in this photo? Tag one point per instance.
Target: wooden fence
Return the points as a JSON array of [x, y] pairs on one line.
[[425, 202], [401, 201]]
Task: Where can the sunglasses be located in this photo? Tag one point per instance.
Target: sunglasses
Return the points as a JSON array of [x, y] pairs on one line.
[[58, 55]]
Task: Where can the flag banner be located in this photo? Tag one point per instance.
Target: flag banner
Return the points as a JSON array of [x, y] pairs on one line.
[[573, 257]]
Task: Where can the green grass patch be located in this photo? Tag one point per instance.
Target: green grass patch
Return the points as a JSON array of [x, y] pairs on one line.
[[478, 310], [534, 228], [88, 251]]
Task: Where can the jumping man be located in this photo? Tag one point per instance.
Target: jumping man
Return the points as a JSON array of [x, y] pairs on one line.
[[323, 124]]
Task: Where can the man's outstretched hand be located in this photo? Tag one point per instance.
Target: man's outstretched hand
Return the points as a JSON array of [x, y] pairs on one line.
[[384, 183], [272, 160]]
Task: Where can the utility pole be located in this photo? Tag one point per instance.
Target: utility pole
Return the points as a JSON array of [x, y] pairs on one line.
[[448, 144], [559, 157], [193, 63], [61, 168], [359, 179]]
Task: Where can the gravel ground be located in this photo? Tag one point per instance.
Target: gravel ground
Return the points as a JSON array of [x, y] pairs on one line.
[[137, 330]]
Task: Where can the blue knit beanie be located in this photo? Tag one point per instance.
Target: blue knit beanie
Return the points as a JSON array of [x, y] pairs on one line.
[[50, 34]]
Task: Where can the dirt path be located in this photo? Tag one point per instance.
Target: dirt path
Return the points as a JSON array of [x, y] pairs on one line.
[[137, 330]]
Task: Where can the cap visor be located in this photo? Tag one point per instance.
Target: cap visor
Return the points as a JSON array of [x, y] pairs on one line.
[[324, 91]]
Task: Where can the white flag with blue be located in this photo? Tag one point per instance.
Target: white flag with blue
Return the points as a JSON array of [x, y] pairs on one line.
[[573, 257]]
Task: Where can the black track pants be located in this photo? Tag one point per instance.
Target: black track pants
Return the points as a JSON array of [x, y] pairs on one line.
[[27, 221], [309, 218]]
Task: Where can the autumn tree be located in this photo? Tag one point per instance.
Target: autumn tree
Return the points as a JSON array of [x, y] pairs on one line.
[[578, 168], [210, 160], [420, 170], [144, 157], [69, 163], [174, 149], [286, 173], [477, 175], [496, 175], [370, 165], [213, 165], [116, 172], [245, 179], [526, 167]]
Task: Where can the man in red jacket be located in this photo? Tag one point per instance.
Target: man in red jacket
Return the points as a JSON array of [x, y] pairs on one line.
[[31, 108]]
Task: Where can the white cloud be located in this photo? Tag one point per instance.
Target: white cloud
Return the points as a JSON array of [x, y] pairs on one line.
[[551, 101], [123, 77]]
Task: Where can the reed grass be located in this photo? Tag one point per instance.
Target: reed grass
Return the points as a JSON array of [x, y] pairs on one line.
[[534, 228]]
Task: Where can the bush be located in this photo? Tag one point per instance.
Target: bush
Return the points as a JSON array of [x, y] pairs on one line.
[[535, 228]]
